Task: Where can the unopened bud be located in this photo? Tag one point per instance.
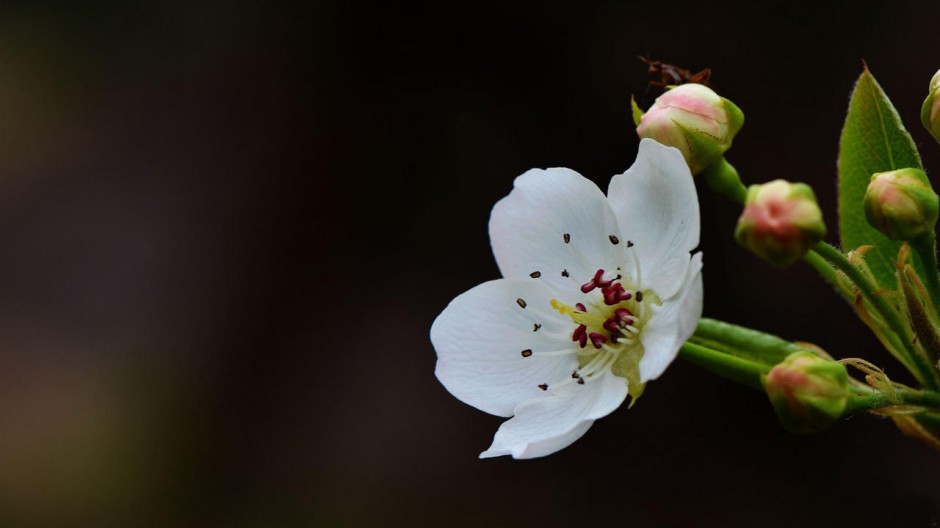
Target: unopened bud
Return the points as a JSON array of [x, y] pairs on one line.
[[930, 111], [808, 392], [695, 120], [901, 204], [781, 221]]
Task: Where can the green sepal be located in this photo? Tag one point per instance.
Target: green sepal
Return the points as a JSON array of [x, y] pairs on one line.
[[704, 149], [628, 367], [637, 111], [735, 118], [925, 116], [873, 140]]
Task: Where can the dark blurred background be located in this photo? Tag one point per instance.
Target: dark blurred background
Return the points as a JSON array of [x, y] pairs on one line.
[[226, 229]]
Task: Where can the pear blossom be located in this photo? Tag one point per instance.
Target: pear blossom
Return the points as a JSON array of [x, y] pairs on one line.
[[599, 292]]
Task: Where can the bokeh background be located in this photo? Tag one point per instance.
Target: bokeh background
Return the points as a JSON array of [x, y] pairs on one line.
[[227, 227]]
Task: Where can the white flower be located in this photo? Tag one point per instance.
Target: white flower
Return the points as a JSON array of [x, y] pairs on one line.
[[599, 294]]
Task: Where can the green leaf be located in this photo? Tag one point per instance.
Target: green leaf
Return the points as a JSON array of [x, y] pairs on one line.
[[637, 112], [873, 140]]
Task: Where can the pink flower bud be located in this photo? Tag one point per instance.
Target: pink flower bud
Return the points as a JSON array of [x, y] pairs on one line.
[[930, 111], [808, 392], [695, 120], [781, 221], [901, 204]]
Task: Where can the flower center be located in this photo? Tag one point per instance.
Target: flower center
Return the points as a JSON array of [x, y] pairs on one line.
[[607, 329]]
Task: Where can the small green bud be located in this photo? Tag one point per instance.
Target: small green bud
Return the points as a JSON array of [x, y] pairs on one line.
[[695, 120], [930, 111], [808, 392], [901, 204], [781, 221]]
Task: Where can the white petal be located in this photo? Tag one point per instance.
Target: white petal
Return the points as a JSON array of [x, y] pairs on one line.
[[528, 229], [545, 425], [690, 308], [480, 337], [672, 323], [543, 447], [657, 208]]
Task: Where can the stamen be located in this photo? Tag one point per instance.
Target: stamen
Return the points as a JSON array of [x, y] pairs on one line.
[[614, 294], [594, 364], [535, 274], [624, 317], [620, 319], [639, 296], [612, 325], [599, 279], [527, 352], [597, 339], [602, 362], [521, 303], [554, 353], [581, 307], [578, 332], [580, 335]]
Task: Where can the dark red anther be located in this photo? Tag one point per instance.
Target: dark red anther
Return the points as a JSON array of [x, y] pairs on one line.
[[624, 316], [581, 307], [612, 324], [612, 294], [621, 318], [587, 287], [615, 293], [622, 312], [580, 335], [599, 279], [597, 340], [578, 332]]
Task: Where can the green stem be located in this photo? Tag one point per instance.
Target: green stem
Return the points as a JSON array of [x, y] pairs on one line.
[[837, 259], [745, 343], [727, 366], [723, 178], [926, 249], [921, 370], [869, 402], [826, 271]]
